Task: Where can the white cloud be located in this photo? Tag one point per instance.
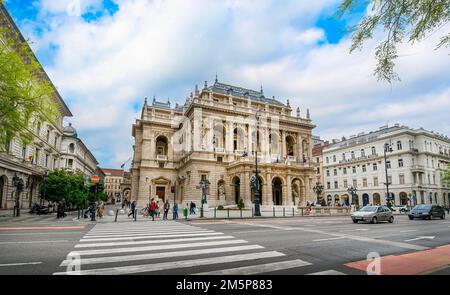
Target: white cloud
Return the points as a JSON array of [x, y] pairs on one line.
[[104, 67]]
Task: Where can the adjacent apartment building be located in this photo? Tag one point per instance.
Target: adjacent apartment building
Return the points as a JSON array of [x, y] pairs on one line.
[[413, 160]]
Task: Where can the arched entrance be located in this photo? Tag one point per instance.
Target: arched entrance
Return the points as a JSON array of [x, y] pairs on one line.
[[365, 199], [236, 189], [260, 184], [297, 186], [376, 199], [3, 183], [277, 191], [403, 198], [336, 199]]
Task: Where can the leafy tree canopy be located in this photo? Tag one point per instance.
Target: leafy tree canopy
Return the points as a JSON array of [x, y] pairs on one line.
[[413, 20], [26, 96]]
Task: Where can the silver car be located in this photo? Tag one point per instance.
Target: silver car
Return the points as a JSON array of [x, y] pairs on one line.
[[373, 214]]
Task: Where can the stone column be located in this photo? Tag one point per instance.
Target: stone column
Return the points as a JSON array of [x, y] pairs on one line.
[[245, 189], [197, 128], [249, 141], [268, 191], [283, 144], [299, 147], [229, 137], [266, 144], [289, 190]]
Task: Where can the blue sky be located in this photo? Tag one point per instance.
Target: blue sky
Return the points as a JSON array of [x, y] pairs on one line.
[[110, 54]]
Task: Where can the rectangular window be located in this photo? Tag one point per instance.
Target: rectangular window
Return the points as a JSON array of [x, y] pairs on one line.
[[375, 181], [390, 180], [355, 183], [327, 160], [336, 185], [46, 160], [353, 155], [345, 170], [335, 172], [354, 169], [48, 135], [343, 157], [374, 151], [399, 145], [363, 154], [401, 179], [388, 164], [400, 162], [318, 170], [334, 158], [345, 183], [363, 168], [328, 185], [328, 172], [374, 167]]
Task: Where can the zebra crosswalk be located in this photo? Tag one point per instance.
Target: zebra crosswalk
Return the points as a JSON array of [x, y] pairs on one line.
[[152, 247]]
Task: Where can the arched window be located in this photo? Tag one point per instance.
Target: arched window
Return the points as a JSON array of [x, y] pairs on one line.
[[71, 148], [238, 139], [290, 146], [274, 144], [219, 136], [374, 152], [161, 145]]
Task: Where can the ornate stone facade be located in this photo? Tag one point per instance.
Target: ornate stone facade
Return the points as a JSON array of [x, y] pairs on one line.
[[214, 136]]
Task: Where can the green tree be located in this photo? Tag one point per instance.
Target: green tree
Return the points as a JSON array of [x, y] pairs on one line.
[[413, 20], [26, 95], [61, 184], [446, 175], [241, 204]]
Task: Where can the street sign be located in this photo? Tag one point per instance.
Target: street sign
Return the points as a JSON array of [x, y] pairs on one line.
[[95, 179]]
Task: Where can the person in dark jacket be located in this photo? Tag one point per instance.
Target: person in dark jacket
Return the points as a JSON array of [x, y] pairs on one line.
[[166, 209], [133, 209]]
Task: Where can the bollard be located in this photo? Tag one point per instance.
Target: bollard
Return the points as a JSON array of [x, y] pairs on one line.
[[135, 214], [241, 212], [293, 212], [215, 212], [117, 212], [78, 214], [252, 212], [302, 211], [273, 211], [228, 212], [284, 215]]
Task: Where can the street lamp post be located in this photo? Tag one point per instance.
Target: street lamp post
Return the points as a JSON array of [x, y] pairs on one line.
[[18, 183], [387, 148], [204, 184], [318, 189], [352, 191]]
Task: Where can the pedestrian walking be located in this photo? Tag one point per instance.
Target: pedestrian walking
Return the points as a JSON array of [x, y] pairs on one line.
[[175, 211], [166, 209], [101, 209], [158, 212], [133, 209], [152, 209]]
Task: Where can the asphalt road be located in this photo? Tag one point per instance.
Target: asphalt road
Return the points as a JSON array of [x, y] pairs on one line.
[[304, 245]]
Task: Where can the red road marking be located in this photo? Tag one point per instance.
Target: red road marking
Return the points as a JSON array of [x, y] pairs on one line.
[[411, 263], [41, 227]]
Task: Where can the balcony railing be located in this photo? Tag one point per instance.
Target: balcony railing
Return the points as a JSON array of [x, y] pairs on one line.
[[219, 150], [161, 157]]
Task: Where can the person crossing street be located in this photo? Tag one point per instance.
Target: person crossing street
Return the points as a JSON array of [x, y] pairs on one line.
[[133, 209], [166, 209]]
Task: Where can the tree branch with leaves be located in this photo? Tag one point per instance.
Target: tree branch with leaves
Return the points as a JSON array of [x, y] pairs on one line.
[[26, 96], [411, 20]]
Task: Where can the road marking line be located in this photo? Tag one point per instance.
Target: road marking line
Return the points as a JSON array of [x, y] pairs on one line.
[[407, 231], [162, 255], [150, 237], [20, 264], [186, 240], [32, 242], [154, 248], [327, 273], [175, 264], [420, 238], [146, 234], [329, 239], [257, 231], [41, 227], [260, 268], [356, 229]]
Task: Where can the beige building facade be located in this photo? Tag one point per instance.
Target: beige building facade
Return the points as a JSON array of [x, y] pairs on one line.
[[216, 136], [112, 183]]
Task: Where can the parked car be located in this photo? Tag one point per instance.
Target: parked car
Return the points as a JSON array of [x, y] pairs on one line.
[[373, 214], [427, 211], [400, 208]]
